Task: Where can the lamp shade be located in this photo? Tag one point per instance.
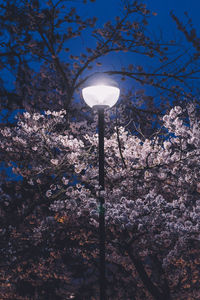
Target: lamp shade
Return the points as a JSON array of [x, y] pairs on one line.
[[101, 95]]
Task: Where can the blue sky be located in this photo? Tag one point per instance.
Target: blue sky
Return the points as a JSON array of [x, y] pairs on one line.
[[108, 9], [105, 9]]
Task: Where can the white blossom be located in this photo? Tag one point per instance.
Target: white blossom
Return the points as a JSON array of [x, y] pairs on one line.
[[55, 161]]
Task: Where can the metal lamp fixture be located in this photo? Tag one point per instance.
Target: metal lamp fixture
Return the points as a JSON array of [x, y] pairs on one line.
[[99, 95]]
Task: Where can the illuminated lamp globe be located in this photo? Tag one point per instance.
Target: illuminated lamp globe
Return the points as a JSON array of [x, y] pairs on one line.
[[102, 93]]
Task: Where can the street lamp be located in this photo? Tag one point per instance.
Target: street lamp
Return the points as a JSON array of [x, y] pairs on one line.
[[101, 95]]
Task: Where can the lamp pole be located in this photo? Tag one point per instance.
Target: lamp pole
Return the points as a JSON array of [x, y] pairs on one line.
[[101, 205], [100, 96]]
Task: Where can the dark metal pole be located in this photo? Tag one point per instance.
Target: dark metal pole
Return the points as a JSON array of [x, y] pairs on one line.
[[101, 205]]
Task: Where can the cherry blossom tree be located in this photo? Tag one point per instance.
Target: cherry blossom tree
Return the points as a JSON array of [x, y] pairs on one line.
[[152, 208], [50, 217]]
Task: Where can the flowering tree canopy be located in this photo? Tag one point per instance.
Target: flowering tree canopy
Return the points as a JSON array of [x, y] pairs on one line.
[[152, 207]]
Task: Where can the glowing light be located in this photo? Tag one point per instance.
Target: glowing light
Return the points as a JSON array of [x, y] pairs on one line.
[[101, 95]]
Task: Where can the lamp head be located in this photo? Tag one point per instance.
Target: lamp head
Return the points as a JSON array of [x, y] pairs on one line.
[[101, 92]]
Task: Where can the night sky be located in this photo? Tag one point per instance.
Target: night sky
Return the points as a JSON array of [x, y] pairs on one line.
[[159, 25], [106, 10]]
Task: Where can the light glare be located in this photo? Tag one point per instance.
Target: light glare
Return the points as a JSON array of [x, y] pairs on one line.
[[101, 95]]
